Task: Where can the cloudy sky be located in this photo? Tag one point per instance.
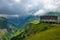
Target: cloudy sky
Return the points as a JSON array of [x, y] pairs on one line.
[[17, 8]]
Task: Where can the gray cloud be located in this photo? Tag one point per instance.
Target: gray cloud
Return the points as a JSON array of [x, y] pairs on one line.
[[28, 7]]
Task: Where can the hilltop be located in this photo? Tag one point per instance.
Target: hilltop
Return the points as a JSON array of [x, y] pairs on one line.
[[50, 34]]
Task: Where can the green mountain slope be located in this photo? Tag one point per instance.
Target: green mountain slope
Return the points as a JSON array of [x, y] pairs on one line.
[[50, 34], [6, 29], [3, 23], [33, 28], [38, 31]]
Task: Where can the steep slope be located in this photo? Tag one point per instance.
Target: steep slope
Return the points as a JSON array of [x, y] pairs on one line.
[[32, 29], [6, 29], [35, 31], [21, 21], [33, 26], [3, 23], [50, 34]]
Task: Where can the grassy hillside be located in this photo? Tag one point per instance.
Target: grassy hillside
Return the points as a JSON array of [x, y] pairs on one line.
[[35, 21], [33, 28], [50, 34], [38, 31], [18, 32], [6, 29], [2, 26]]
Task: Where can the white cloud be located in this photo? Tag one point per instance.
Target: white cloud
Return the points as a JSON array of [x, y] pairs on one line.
[[13, 15], [28, 7], [31, 4], [46, 5], [6, 15], [50, 7], [17, 1], [10, 4], [35, 2], [39, 12]]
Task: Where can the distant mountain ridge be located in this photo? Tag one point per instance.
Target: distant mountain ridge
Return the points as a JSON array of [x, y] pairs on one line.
[[38, 27], [6, 28], [20, 21]]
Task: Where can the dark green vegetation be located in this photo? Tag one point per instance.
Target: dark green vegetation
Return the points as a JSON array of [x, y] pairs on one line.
[[34, 28], [41, 31], [50, 34], [38, 31], [2, 21], [31, 31], [6, 29]]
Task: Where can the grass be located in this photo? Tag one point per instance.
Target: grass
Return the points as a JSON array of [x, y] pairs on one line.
[[50, 34], [35, 22], [33, 28], [44, 31], [18, 32], [38, 27]]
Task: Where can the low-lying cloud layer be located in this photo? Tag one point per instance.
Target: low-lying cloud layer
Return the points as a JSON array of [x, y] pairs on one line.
[[5, 15], [29, 7]]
